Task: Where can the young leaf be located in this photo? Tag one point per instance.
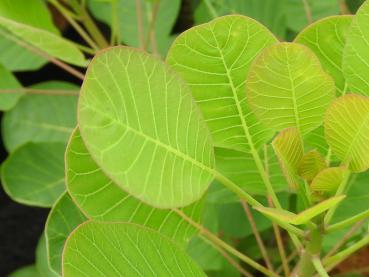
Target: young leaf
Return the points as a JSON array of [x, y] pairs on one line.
[[329, 179], [310, 165], [40, 118], [214, 59], [132, 103], [289, 150], [346, 127], [8, 81], [356, 56], [34, 173], [63, 218], [287, 87], [124, 249], [303, 217], [129, 23], [326, 38], [50, 43], [99, 198]]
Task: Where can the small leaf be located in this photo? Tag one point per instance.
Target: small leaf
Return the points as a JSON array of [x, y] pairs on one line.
[[99, 198], [132, 103], [8, 81], [50, 43], [63, 218], [326, 38], [310, 165], [346, 127], [34, 173], [125, 250], [287, 87], [214, 59], [329, 179], [356, 56], [289, 150], [277, 214], [40, 118]]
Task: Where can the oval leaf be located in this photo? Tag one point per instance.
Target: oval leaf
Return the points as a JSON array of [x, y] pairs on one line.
[[346, 127], [124, 249], [329, 179], [356, 54], [99, 198], [34, 173], [141, 125], [287, 87], [63, 218], [310, 165], [214, 59], [326, 38]]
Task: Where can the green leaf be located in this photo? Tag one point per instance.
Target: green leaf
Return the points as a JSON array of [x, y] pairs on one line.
[[310, 165], [124, 249], [50, 43], [26, 271], [40, 118], [329, 179], [63, 218], [326, 38], [346, 127], [42, 260], [303, 217], [99, 198], [296, 12], [240, 167], [8, 81], [214, 59], [128, 25], [289, 150], [270, 13], [132, 103], [355, 55], [287, 87], [34, 173]]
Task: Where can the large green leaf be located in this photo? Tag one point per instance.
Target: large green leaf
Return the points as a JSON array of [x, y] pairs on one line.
[[289, 150], [34, 173], [141, 125], [271, 13], [356, 54], [40, 118], [214, 59], [63, 218], [99, 198], [8, 81], [287, 87], [124, 249], [128, 22], [50, 43], [346, 127], [326, 38], [297, 17]]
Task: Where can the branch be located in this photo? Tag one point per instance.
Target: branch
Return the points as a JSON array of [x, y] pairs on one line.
[[140, 24], [56, 92]]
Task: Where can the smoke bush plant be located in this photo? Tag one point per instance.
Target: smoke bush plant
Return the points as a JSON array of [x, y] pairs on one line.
[[159, 142]]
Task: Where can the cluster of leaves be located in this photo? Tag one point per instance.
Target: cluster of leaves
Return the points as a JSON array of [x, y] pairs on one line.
[[166, 155]]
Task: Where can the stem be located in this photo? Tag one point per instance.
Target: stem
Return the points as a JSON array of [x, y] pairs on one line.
[[211, 9], [280, 245], [228, 258], [340, 190], [344, 239], [151, 30], [347, 222], [140, 24], [289, 259], [67, 15], [217, 241], [44, 55], [319, 267], [331, 262], [40, 91], [307, 11], [257, 235], [115, 28]]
